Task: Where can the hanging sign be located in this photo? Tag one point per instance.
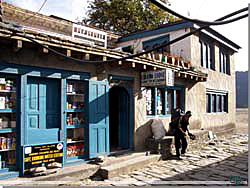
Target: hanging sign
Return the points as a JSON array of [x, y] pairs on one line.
[[42, 155], [163, 77]]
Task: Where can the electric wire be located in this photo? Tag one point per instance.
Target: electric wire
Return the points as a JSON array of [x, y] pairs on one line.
[[44, 2], [163, 6], [141, 53]]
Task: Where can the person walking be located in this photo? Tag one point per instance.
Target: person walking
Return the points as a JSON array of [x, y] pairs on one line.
[[181, 135]]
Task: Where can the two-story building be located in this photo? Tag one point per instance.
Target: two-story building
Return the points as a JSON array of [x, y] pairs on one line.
[[61, 102], [212, 101]]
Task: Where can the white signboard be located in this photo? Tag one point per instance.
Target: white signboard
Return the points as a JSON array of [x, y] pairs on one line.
[[87, 33], [157, 78]]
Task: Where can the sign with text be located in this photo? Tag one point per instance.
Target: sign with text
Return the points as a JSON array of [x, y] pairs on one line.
[[157, 78], [42, 155]]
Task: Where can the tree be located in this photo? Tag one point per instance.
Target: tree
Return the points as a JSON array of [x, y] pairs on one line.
[[125, 16]]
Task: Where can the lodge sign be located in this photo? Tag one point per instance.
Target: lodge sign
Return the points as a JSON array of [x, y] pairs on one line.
[[157, 78]]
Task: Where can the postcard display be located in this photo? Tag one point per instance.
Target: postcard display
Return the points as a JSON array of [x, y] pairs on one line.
[[7, 122], [75, 119]]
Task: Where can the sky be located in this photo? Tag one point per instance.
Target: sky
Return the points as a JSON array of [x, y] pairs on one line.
[[208, 10]]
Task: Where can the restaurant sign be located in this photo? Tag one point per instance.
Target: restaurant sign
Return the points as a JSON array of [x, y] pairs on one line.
[[42, 155], [163, 77]]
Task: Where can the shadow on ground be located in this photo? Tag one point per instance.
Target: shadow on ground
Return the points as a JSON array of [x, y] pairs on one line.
[[233, 169]]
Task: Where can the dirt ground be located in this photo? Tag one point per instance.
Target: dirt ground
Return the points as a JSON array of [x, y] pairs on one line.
[[242, 120]]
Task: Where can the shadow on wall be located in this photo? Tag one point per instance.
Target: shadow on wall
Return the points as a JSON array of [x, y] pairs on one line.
[[142, 134]]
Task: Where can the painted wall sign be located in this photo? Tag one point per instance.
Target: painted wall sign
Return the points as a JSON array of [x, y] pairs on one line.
[[157, 78], [42, 155]]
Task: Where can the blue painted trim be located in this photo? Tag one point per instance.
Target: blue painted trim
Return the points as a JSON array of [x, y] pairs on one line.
[[75, 126], [8, 175], [7, 130], [158, 31], [47, 143], [74, 110], [63, 133], [7, 111], [131, 118], [41, 72], [125, 78], [23, 132]]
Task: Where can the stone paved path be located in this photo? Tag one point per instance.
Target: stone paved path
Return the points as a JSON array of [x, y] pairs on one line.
[[227, 160]]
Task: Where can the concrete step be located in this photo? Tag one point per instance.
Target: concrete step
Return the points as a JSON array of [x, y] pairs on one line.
[[126, 165]]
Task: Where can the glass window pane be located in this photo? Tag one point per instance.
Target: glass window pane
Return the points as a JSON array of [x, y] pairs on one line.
[[178, 99], [208, 103], [149, 101], [160, 101], [201, 54], [213, 103], [204, 48], [170, 101], [219, 103]]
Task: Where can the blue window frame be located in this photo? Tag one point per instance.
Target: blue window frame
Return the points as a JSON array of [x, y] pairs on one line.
[[224, 61], [216, 102], [161, 101], [206, 55]]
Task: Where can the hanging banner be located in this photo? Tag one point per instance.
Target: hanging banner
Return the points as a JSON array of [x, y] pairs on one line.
[[163, 77]]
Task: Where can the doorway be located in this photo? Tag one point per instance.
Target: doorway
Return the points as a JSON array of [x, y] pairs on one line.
[[119, 119]]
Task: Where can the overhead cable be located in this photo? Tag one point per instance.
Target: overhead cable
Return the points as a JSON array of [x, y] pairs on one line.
[[163, 6], [141, 53]]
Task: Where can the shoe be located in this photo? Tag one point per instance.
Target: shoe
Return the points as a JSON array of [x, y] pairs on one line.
[[183, 155], [179, 158]]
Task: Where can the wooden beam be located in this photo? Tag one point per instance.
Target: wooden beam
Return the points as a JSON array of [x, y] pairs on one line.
[[68, 53]]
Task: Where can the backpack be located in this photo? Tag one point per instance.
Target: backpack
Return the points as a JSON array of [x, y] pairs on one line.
[[175, 117]]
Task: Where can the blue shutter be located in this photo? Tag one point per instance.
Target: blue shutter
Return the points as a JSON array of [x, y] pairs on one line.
[[42, 111], [98, 141]]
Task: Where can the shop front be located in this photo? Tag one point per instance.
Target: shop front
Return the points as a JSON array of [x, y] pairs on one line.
[[50, 118]]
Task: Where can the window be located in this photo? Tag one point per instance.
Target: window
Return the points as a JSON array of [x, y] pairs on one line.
[[161, 101], [224, 61], [206, 55], [216, 102]]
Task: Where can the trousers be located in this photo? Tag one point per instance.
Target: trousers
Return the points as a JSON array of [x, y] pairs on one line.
[[180, 143]]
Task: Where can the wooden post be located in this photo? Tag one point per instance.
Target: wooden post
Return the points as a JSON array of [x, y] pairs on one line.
[[68, 53], [87, 56]]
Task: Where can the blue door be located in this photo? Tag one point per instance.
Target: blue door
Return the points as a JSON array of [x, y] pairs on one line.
[[98, 119], [42, 111]]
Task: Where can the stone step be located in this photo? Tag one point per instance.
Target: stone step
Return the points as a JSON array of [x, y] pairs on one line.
[[126, 166], [120, 158]]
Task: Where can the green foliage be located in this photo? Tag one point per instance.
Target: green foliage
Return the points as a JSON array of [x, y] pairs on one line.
[[125, 16]]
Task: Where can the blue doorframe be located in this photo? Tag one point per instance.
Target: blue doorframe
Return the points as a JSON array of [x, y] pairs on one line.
[[130, 104]]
